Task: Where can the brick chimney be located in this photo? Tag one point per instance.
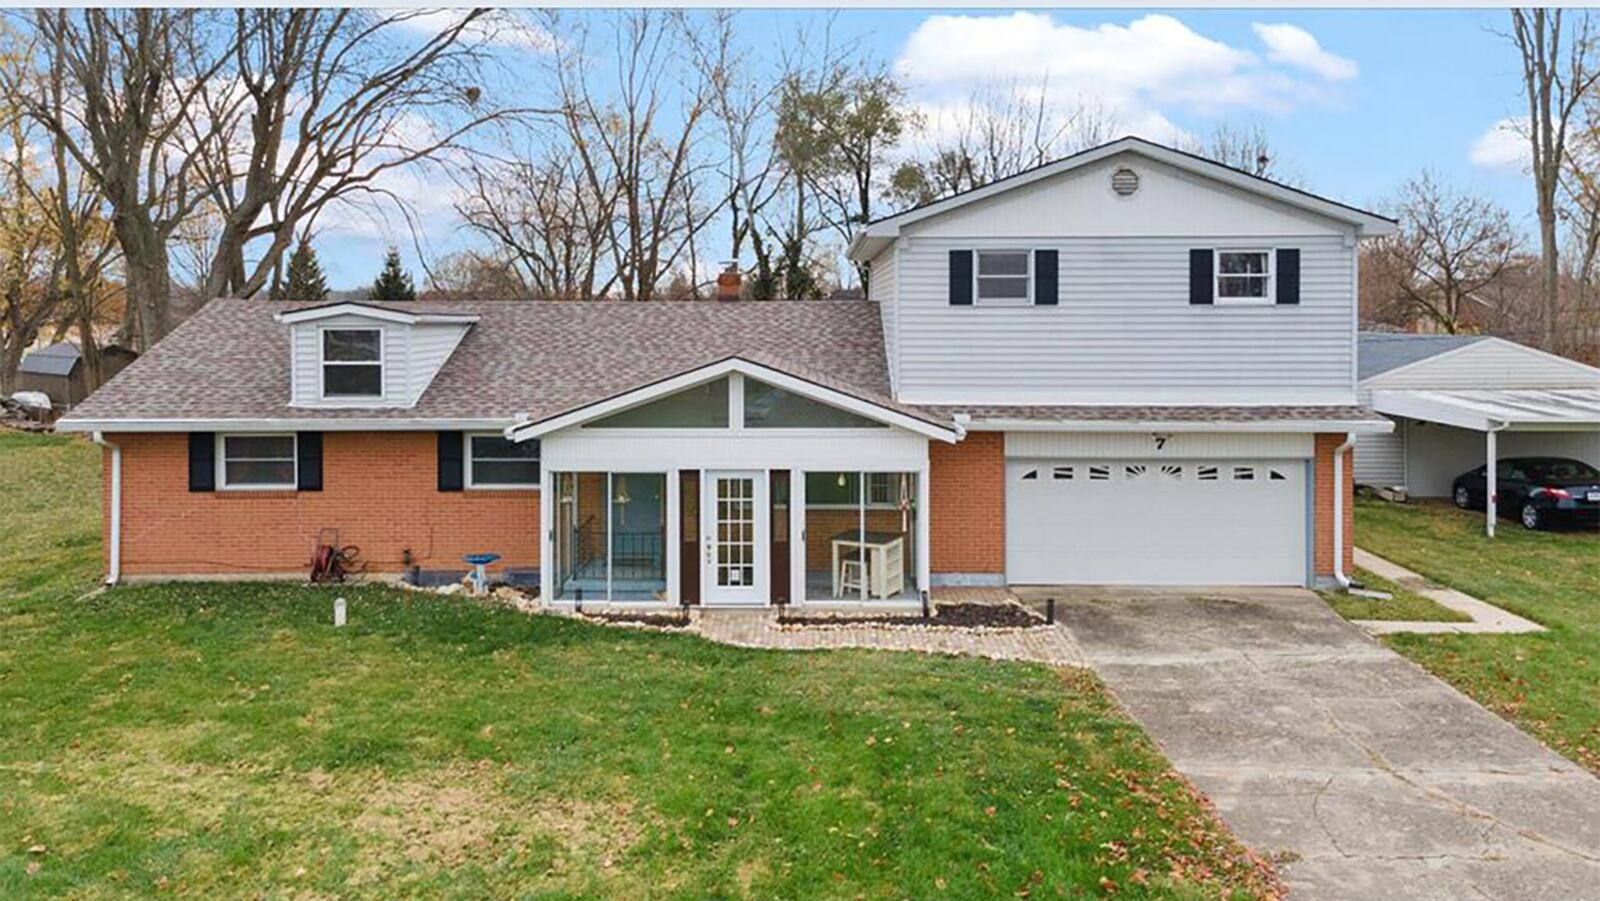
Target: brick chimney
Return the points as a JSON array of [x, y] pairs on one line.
[[728, 282]]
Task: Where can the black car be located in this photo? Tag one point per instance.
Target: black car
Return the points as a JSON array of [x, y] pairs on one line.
[[1540, 491]]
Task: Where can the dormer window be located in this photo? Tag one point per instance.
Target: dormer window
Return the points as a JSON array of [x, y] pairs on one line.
[[352, 362]]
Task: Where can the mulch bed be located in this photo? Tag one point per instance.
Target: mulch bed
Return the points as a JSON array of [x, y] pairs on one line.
[[956, 616], [656, 620]]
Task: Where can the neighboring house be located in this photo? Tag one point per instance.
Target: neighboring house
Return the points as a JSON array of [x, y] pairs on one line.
[[1129, 366], [58, 371], [1457, 398]]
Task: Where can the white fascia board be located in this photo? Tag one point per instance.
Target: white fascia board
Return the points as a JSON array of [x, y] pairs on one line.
[[1359, 426], [1367, 224], [281, 425], [1413, 405], [683, 381], [382, 314]]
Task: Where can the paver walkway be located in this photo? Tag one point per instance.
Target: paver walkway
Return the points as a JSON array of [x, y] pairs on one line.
[[1487, 619], [1051, 645], [1364, 776]]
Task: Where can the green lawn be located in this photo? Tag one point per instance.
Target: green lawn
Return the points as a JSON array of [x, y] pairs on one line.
[[1548, 683], [1403, 605], [226, 741]]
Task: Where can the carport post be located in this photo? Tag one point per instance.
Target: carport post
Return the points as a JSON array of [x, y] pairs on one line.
[[1490, 502]]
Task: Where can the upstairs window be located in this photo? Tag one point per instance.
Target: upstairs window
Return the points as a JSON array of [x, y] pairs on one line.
[[1004, 277], [352, 362], [1244, 276]]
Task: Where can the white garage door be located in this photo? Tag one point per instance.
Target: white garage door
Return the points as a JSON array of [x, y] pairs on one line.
[[1168, 522]]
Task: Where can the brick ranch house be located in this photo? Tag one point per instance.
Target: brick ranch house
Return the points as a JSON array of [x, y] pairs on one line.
[[1128, 366]]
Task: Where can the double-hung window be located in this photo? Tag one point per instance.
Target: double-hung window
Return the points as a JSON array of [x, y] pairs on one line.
[[257, 461], [1004, 277], [1244, 276], [495, 462], [352, 362]]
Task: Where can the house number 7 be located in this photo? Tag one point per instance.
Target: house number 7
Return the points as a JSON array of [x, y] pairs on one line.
[[1161, 441]]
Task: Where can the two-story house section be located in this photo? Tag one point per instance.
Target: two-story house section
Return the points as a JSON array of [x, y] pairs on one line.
[[1157, 355], [1132, 366]]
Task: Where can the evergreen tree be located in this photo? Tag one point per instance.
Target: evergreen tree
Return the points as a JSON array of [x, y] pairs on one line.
[[393, 282], [305, 281]]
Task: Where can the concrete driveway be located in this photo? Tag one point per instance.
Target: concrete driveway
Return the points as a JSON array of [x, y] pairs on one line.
[[1365, 777]]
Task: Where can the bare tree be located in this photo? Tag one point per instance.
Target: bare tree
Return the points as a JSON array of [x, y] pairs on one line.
[[319, 105], [1558, 73], [554, 229], [637, 135], [1451, 250], [1246, 148], [1003, 128], [134, 127]]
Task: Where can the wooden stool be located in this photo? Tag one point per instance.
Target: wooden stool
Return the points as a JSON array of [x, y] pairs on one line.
[[852, 576]]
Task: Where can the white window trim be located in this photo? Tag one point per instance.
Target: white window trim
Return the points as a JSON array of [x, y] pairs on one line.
[[470, 483], [221, 454], [977, 267], [323, 364], [1217, 275]]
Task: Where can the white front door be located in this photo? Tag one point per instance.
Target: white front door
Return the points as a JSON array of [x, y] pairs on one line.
[[733, 530]]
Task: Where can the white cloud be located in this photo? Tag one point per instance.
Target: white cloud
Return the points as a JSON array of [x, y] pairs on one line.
[[1137, 74], [495, 27], [1503, 146], [1294, 46]]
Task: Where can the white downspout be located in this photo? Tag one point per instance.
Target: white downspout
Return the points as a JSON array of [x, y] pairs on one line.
[[1338, 510], [114, 570]]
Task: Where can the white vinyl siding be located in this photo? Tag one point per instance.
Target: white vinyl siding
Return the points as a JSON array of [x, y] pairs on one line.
[[1380, 460], [412, 356], [1124, 330], [881, 290], [1486, 364]]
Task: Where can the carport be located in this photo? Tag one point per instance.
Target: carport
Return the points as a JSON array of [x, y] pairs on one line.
[[1494, 411]]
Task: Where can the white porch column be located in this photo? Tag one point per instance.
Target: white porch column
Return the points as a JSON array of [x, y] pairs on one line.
[[674, 537], [1490, 501], [547, 529], [924, 551]]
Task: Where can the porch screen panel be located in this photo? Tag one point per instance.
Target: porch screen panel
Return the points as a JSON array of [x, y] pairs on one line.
[[638, 536], [565, 537], [701, 407], [835, 564]]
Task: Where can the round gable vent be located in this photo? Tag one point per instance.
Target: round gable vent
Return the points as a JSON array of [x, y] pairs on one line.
[[1124, 182]]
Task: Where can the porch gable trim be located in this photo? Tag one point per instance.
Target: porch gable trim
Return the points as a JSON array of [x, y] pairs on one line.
[[732, 365]]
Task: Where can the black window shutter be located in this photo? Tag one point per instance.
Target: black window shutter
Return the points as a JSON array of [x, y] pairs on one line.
[[451, 476], [202, 461], [961, 278], [1288, 275], [1201, 284], [1045, 282], [308, 471]]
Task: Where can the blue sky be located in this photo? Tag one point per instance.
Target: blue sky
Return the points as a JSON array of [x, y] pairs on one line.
[[1374, 98]]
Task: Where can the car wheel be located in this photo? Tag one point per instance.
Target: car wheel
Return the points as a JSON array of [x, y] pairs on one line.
[[1530, 516], [1463, 497]]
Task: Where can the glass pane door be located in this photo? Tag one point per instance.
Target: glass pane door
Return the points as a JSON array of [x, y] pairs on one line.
[[734, 537]]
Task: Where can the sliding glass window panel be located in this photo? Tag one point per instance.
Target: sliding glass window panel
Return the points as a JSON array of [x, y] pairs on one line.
[[638, 536], [770, 407], [582, 522], [891, 535], [701, 407], [835, 565]]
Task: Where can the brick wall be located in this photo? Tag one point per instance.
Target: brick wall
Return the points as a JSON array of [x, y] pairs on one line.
[[379, 488], [967, 504], [1323, 505]]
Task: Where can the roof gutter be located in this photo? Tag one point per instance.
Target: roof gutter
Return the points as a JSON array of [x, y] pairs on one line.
[[114, 563], [1338, 510]]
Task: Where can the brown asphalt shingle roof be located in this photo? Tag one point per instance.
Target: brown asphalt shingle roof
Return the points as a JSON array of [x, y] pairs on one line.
[[1124, 414], [231, 359]]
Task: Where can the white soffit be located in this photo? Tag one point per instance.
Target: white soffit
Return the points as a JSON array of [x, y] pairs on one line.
[[1531, 409]]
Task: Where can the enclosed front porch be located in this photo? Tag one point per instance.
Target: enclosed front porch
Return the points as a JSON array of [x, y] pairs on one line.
[[741, 488]]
